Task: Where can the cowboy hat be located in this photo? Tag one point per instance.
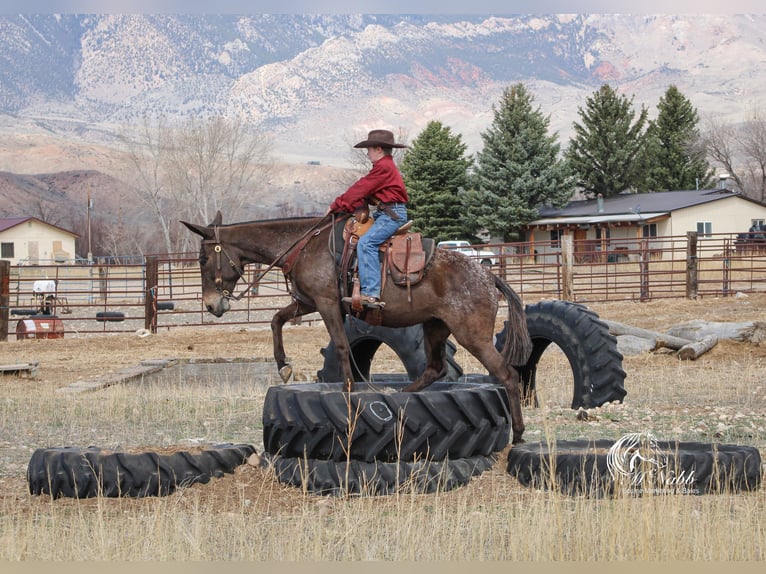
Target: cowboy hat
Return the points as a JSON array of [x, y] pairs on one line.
[[379, 138]]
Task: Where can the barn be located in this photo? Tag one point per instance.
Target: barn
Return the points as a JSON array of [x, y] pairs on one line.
[[31, 241], [620, 222]]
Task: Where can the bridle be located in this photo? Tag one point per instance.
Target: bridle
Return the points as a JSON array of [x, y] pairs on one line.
[[290, 254], [220, 253]]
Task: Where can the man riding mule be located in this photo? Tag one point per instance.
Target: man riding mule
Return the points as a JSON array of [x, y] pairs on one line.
[[456, 296]]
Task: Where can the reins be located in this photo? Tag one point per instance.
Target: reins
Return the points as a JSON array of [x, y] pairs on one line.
[[291, 254]]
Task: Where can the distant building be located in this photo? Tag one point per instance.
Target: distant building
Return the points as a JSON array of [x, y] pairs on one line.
[[31, 241], [620, 222]]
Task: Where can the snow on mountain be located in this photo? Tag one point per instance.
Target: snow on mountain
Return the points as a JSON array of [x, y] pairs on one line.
[[318, 81]]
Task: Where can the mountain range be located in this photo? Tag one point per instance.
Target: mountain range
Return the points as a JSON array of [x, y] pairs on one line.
[[316, 83]]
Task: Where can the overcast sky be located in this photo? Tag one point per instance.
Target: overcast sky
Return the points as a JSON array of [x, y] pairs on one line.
[[381, 6]]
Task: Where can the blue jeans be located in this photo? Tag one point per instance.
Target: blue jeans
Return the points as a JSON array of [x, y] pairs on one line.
[[367, 248]]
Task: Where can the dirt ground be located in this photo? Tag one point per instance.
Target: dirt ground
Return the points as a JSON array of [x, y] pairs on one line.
[[84, 357], [76, 358]]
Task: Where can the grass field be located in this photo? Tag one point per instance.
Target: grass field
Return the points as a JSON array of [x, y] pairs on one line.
[[720, 398]]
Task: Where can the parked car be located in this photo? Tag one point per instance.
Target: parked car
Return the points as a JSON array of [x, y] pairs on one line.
[[485, 257]]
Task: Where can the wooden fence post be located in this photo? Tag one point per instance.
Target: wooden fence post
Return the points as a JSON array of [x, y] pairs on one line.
[[150, 290], [643, 270], [692, 265], [728, 252], [5, 297], [567, 268]]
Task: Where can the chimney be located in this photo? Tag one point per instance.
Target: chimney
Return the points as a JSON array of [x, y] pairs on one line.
[[600, 203]]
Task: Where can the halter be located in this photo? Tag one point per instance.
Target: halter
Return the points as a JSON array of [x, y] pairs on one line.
[[220, 252]]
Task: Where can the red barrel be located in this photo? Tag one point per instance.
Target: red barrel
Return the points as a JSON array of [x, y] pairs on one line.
[[39, 328]]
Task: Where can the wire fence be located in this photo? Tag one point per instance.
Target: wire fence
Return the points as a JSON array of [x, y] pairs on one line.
[[164, 292]]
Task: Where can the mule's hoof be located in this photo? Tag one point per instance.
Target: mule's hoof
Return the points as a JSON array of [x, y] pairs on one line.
[[518, 440], [286, 373]]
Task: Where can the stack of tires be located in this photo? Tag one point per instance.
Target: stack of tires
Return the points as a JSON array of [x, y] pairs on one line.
[[378, 441], [597, 373], [382, 441]]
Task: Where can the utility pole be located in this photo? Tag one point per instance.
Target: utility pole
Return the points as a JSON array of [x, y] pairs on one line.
[[90, 251]]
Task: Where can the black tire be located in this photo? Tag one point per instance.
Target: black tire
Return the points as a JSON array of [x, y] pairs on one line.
[[83, 473], [585, 340], [445, 420], [377, 478], [110, 316], [24, 312], [166, 306], [582, 467], [365, 339]]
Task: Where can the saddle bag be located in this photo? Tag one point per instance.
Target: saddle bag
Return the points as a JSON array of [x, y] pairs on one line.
[[406, 259]]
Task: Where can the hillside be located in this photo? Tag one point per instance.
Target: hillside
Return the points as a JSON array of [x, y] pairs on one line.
[[119, 219], [314, 82]]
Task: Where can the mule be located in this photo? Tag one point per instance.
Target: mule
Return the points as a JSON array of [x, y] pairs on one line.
[[456, 296]]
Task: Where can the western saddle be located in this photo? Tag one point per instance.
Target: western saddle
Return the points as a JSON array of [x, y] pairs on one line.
[[405, 256]]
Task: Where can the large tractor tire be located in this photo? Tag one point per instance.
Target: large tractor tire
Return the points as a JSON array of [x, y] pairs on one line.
[[447, 420], [365, 340], [377, 478], [82, 473], [606, 468], [585, 340]]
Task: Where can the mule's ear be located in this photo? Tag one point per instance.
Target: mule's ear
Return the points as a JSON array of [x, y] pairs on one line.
[[218, 219], [199, 230]]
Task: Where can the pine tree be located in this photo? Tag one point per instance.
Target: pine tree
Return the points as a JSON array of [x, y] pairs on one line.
[[676, 160], [435, 171], [607, 153], [518, 170]]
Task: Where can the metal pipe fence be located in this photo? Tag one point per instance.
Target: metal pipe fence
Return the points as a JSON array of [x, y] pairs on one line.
[[164, 292]]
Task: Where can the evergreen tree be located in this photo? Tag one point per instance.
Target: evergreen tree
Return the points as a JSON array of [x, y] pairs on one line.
[[607, 153], [435, 171], [518, 170], [676, 160]]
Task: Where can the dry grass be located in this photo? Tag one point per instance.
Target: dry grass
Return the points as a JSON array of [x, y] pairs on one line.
[[250, 516]]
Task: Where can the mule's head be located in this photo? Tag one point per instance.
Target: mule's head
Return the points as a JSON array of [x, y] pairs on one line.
[[220, 267]]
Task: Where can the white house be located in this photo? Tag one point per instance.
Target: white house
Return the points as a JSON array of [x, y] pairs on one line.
[[620, 222], [31, 241]]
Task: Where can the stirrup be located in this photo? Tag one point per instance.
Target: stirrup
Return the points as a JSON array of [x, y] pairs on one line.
[[372, 303], [369, 302]]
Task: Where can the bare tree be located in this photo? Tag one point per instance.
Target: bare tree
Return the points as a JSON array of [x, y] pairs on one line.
[[46, 212], [119, 238], [752, 141], [191, 169], [740, 150], [216, 164], [147, 156]]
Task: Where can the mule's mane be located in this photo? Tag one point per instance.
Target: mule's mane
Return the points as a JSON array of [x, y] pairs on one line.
[[279, 220]]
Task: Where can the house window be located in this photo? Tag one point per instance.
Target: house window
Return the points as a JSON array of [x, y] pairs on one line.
[[649, 230], [555, 239], [7, 251], [704, 228]]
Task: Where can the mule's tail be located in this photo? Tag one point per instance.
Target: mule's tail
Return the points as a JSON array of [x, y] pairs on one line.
[[518, 343]]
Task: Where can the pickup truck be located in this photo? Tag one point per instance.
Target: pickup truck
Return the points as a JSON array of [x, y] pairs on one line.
[[485, 257]]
